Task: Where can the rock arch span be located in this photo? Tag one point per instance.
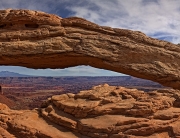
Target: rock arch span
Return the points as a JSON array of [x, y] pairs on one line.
[[39, 40]]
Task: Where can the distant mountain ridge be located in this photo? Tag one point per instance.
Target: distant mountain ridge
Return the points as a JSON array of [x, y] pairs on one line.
[[12, 74]]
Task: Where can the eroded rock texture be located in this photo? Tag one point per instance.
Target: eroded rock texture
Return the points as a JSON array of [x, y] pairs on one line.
[[103, 112], [39, 40]]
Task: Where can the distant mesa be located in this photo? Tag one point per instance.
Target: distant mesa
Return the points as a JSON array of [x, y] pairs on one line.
[[12, 74]]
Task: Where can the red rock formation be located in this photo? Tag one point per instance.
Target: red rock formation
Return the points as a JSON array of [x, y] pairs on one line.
[[103, 112], [108, 111], [39, 40]]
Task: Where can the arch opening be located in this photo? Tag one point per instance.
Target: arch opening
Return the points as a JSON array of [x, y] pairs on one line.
[[38, 85], [65, 60]]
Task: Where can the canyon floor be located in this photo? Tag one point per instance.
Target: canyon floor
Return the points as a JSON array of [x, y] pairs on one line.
[[30, 92]]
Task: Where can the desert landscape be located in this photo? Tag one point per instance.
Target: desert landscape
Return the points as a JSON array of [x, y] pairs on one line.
[[102, 112], [30, 92], [86, 107]]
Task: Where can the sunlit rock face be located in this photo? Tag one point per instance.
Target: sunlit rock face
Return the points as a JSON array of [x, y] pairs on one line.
[[102, 112], [39, 40]]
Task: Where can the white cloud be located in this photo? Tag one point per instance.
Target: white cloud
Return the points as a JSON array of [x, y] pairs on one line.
[[150, 17]]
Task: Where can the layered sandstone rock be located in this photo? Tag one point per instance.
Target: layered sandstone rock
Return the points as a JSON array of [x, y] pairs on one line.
[[103, 112], [39, 40], [116, 112], [29, 124]]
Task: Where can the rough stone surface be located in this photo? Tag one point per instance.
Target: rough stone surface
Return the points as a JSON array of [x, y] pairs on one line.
[[29, 124], [39, 40], [114, 112], [102, 112]]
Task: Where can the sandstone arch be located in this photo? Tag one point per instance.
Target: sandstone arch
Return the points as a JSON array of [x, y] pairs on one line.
[[39, 40]]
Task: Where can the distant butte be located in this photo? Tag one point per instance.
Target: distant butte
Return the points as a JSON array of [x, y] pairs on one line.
[[39, 40]]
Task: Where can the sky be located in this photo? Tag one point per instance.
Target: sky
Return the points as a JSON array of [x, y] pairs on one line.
[[156, 18]]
